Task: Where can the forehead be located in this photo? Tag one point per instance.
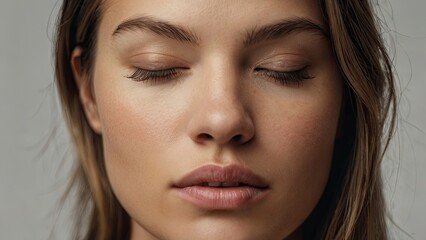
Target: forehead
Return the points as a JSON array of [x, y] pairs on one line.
[[209, 18]]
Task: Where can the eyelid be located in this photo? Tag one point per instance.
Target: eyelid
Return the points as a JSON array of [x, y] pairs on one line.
[[294, 78], [156, 61], [283, 62], [142, 75]]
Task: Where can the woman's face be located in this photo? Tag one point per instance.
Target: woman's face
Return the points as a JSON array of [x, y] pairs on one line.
[[218, 118]]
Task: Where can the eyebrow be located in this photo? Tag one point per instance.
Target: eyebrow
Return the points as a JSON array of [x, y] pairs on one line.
[[161, 28], [282, 28], [253, 36]]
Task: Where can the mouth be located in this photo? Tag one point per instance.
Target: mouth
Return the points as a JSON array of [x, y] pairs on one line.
[[223, 184], [213, 187]]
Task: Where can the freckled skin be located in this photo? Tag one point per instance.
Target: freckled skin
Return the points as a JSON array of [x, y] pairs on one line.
[[151, 131]]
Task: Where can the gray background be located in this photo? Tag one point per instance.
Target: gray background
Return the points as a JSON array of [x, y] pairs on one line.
[[32, 179]]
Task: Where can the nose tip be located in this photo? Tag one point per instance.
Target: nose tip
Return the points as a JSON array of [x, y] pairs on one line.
[[222, 126], [220, 110], [237, 139]]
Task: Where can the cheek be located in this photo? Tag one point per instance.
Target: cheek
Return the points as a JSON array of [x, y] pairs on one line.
[[306, 147], [129, 132], [297, 150], [135, 131]]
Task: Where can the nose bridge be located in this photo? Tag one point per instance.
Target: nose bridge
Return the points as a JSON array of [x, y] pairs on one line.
[[223, 91], [221, 115]]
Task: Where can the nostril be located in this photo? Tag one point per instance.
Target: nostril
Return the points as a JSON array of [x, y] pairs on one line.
[[205, 137], [237, 138]]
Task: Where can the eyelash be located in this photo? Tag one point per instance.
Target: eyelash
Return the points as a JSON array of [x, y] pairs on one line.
[[154, 75], [291, 78]]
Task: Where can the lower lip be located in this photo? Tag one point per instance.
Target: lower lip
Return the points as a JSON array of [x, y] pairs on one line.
[[211, 198]]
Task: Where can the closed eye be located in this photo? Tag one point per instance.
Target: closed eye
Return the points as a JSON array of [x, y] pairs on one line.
[[290, 78], [155, 75]]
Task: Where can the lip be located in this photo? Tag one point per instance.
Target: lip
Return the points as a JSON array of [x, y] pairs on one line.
[[213, 187]]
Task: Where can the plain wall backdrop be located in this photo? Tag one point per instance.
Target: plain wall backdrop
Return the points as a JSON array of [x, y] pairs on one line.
[[32, 177]]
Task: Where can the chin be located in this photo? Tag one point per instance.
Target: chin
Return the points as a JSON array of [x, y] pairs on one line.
[[214, 229]]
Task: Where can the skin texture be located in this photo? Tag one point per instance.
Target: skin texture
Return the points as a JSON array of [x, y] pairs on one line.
[[155, 132]]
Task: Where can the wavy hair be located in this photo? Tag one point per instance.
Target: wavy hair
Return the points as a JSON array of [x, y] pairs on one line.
[[352, 206]]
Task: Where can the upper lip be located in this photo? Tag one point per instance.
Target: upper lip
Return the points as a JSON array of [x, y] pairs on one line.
[[221, 174]]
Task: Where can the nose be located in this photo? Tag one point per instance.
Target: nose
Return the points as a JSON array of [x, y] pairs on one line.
[[221, 116]]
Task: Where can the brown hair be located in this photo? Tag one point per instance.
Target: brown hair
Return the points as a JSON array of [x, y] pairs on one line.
[[352, 205], [98, 213]]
